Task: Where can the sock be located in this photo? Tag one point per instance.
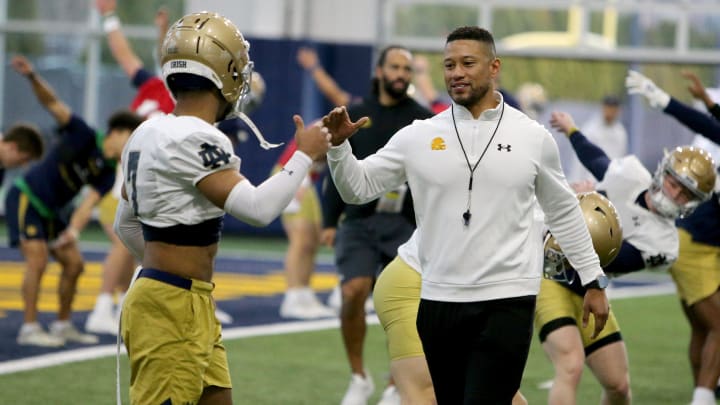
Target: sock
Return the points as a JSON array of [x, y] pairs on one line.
[[307, 290], [310, 297], [104, 300], [293, 293], [61, 323], [703, 395], [29, 326]]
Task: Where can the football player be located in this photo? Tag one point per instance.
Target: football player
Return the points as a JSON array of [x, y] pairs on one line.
[[647, 206], [152, 98], [697, 271], [180, 177], [35, 201]]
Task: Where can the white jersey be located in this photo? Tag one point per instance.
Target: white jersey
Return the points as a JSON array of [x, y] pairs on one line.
[[654, 236], [163, 161]]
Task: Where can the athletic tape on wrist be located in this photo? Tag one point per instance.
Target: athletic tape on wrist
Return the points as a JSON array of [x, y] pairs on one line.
[[111, 23]]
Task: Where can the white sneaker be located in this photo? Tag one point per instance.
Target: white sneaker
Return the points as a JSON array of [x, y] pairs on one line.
[[703, 396], [302, 303], [66, 330], [334, 301], [360, 389], [223, 317], [32, 334], [310, 300], [102, 319], [391, 396], [290, 306]]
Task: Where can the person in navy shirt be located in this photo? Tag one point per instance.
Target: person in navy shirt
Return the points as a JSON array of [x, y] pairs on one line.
[[35, 202]]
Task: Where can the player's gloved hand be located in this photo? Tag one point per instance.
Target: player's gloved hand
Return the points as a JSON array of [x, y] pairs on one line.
[[636, 83]]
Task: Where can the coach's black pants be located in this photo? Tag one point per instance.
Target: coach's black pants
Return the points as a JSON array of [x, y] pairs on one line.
[[476, 351]]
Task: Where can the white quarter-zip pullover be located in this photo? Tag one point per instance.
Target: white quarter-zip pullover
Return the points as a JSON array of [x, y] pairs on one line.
[[499, 253]]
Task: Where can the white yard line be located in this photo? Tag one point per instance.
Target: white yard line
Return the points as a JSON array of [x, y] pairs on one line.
[[95, 352]]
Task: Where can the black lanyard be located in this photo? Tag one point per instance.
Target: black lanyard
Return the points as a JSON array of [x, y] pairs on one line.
[[467, 215]]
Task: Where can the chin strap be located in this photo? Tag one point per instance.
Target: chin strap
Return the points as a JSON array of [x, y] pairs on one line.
[[238, 113], [263, 142], [239, 107]]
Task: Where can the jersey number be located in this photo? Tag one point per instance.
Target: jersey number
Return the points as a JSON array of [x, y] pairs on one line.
[[132, 167]]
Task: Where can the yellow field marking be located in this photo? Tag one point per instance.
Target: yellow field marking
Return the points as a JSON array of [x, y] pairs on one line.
[[228, 286]]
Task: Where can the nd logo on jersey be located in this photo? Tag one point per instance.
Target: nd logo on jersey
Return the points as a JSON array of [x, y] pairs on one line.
[[213, 156]]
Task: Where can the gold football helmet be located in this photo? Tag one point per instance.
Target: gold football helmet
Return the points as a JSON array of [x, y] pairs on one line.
[[209, 45], [692, 167], [603, 223]]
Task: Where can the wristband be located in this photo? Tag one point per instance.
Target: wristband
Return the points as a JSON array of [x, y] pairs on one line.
[[111, 23], [572, 131]]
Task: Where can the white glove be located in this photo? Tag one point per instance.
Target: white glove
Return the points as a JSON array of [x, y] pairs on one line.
[[636, 83]]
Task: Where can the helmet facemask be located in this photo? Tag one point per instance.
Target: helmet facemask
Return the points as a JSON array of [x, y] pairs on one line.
[[255, 96], [555, 264], [243, 98]]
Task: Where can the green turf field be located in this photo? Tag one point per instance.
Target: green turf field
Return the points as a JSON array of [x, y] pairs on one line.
[[310, 368]]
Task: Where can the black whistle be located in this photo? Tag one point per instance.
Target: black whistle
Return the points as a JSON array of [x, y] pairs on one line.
[[466, 217]]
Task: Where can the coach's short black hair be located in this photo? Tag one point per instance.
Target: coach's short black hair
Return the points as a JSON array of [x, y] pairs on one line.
[[473, 33]]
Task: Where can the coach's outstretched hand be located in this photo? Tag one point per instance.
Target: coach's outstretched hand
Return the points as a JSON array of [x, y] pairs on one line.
[[340, 126], [636, 83]]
